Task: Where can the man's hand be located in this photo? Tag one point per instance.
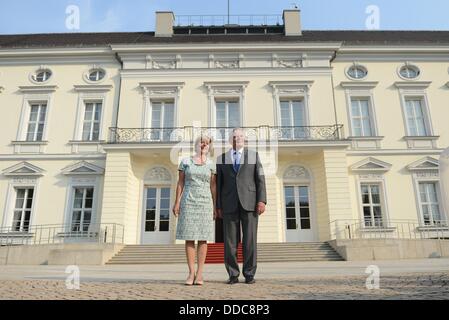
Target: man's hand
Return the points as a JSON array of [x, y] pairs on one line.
[[218, 213], [260, 208]]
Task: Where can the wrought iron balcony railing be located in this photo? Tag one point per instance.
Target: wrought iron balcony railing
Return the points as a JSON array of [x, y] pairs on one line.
[[261, 133]]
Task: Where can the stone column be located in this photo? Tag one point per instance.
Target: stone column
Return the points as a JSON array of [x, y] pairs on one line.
[[121, 194], [444, 181]]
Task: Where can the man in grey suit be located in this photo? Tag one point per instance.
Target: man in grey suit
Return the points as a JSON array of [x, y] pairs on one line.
[[241, 198]]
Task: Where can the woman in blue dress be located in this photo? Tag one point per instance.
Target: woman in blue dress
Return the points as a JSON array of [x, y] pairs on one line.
[[195, 206]]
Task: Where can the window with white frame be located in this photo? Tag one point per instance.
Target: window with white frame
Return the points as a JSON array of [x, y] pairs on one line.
[[82, 208], [409, 72], [361, 117], [297, 207], [157, 211], [372, 204], [357, 72], [92, 121], [36, 121], [416, 117], [162, 119], [293, 118], [227, 115], [96, 75], [429, 203], [22, 209], [42, 75]]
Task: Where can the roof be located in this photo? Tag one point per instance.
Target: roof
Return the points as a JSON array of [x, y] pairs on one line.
[[104, 39]]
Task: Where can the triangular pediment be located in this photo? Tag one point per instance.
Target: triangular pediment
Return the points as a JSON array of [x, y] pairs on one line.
[[427, 163], [23, 169], [83, 168], [371, 164]]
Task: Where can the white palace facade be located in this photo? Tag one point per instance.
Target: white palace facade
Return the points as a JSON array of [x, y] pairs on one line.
[[350, 127]]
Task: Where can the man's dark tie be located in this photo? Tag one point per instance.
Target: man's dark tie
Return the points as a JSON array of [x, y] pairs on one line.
[[236, 161]]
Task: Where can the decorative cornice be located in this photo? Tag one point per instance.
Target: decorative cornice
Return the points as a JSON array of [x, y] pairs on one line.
[[92, 88], [82, 168], [424, 164], [226, 83], [161, 84], [412, 84], [35, 89], [359, 85], [23, 169], [370, 165]]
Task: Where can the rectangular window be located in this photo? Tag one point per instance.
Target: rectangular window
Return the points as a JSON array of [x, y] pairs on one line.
[[227, 117], [430, 207], [372, 205], [91, 124], [22, 209], [36, 122], [82, 209], [297, 207], [162, 120], [361, 118], [415, 117], [293, 119]]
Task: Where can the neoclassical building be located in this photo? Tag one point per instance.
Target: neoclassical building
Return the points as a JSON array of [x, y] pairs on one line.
[[350, 126]]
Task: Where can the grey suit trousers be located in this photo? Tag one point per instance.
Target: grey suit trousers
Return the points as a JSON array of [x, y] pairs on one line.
[[231, 228]]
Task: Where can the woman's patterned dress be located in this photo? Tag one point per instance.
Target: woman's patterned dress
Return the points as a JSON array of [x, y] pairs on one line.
[[196, 216]]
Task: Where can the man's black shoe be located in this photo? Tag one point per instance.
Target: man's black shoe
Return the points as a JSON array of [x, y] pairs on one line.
[[250, 280], [233, 280]]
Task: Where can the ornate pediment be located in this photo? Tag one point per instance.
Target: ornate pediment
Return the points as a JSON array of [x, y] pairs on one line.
[[23, 169], [296, 172], [425, 164], [158, 175], [371, 165], [83, 168]]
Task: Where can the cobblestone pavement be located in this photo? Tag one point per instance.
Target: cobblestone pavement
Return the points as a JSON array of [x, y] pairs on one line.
[[404, 286]]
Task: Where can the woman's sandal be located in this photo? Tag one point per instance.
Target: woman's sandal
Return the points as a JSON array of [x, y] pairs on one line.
[[198, 282], [190, 282]]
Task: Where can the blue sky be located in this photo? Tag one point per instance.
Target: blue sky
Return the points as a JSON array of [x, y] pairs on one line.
[[49, 16]]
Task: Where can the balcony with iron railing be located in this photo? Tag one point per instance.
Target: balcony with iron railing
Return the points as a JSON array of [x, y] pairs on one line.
[[280, 135]]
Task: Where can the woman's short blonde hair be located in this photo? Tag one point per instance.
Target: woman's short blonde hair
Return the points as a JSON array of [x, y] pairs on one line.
[[204, 137]]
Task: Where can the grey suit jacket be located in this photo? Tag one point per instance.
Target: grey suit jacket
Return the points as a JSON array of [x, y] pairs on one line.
[[246, 186]]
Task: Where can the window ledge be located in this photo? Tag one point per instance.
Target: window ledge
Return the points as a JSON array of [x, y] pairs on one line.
[[29, 143], [77, 234], [378, 229], [432, 228], [87, 142], [16, 235], [366, 138], [421, 137]]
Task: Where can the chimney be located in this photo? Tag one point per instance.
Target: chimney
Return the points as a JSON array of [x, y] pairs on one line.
[[164, 23], [292, 22]]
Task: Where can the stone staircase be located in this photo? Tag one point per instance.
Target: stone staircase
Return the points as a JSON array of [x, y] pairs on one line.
[[267, 252]]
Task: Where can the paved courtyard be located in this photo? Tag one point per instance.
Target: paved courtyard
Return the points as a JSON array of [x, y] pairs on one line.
[[408, 279]]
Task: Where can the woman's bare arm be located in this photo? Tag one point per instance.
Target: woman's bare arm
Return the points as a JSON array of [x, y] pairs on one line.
[[179, 190]]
